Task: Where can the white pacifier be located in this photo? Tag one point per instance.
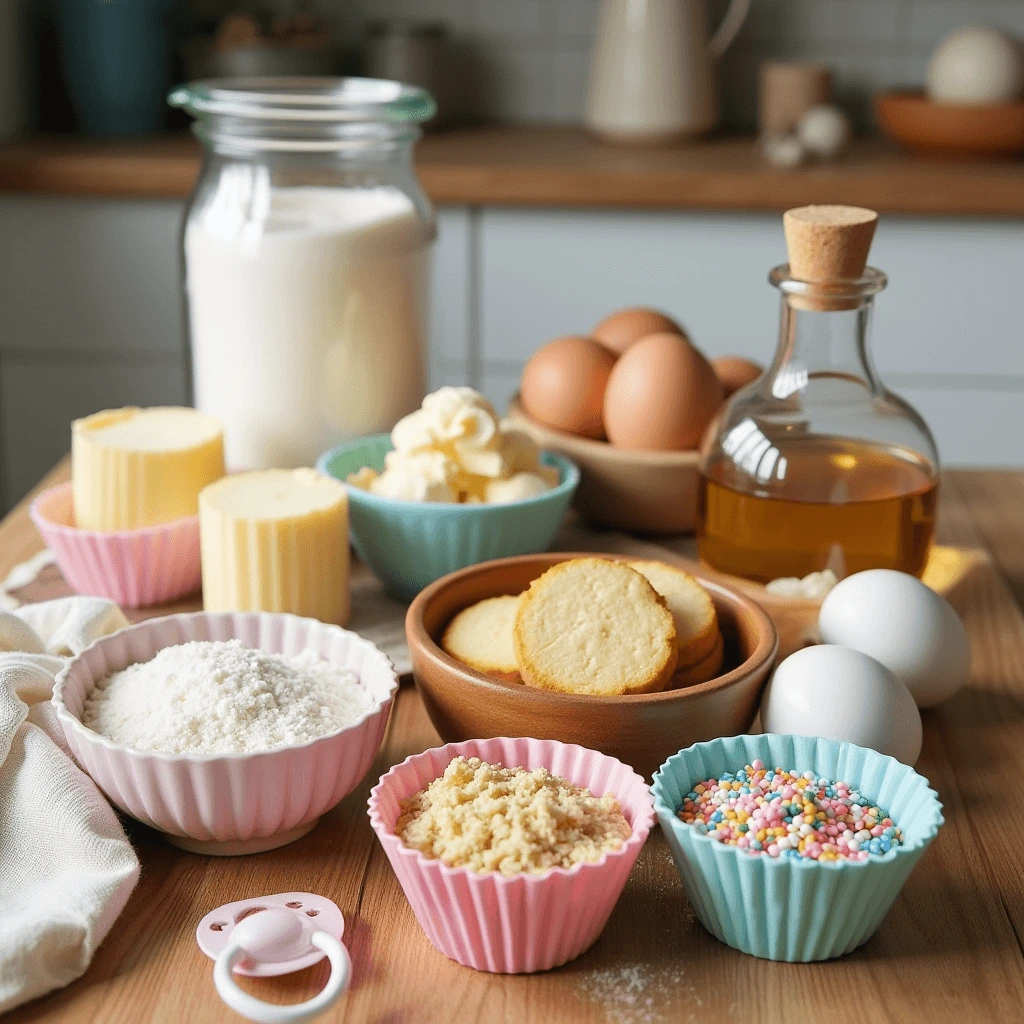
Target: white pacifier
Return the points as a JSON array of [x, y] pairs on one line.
[[275, 935]]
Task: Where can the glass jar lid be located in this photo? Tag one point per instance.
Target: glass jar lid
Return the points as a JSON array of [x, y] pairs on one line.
[[310, 100]]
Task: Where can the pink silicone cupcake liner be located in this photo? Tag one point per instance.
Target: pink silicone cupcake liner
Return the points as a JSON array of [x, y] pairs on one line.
[[229, 803], [521, 923], [135, 568]]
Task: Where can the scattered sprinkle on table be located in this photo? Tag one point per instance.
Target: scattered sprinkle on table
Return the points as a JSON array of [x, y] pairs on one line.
[[776, 812]]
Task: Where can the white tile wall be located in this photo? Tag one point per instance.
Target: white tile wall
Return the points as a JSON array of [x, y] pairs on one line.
[[534, 53]]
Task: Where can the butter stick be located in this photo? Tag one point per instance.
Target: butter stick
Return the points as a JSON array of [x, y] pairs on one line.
[[276, 541], [135, 467]]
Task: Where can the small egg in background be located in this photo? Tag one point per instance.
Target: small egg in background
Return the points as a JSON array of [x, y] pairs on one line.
[[735, 372], [618, 331], [843, 694], [976, 65], [564, 383], [905, 625], [661, 395], [824, 131]]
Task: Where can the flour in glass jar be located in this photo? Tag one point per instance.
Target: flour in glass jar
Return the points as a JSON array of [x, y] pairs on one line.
[[218, 697]]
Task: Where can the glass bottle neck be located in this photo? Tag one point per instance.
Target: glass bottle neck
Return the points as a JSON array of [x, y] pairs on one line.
[[824, 333], [823, 343]]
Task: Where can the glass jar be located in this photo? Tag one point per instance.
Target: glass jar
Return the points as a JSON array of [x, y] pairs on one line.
[[816, 465], [306, 262]]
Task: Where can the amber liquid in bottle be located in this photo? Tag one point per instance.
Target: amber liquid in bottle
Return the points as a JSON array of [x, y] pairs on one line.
[[848, 506]]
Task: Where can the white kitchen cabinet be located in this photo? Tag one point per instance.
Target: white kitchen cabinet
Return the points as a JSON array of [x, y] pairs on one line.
[[947, 332], [94, 276], [40, 398], [451, 303]]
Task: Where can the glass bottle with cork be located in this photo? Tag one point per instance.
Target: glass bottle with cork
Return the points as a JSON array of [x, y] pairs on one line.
[[816, 465]]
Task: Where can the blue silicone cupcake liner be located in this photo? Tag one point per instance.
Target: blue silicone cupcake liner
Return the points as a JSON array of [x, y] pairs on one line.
[[790, 908], [409, 544]]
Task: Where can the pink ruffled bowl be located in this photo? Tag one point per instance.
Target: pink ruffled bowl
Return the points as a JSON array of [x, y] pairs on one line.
[[135, 568], [228, 803], [520, 923]]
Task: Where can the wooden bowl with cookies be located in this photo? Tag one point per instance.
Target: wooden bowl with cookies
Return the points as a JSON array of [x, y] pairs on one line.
[[636, 659]]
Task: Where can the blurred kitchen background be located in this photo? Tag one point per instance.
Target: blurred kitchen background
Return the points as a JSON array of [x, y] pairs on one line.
[[90, 302]]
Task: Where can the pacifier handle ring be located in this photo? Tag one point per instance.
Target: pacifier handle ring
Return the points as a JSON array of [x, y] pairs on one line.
[[274, 1013]]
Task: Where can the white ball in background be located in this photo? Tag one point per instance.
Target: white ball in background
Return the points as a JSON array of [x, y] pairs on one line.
[[843, 694], [904, 624], [976, 65], [824, 130]]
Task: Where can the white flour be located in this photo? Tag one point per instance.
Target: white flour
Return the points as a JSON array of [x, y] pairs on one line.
[[216, 697]]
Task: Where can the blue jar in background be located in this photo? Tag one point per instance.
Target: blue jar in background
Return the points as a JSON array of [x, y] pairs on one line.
[[116, 61]]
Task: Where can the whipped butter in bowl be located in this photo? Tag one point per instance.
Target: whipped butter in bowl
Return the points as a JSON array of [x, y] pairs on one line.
[[452, 485], [454, 449]]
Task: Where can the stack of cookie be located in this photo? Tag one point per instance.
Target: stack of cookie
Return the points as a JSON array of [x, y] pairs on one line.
[[595, 626]]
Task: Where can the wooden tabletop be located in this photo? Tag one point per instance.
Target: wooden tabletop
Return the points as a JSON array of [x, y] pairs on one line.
[[563, 166], [949, 951]]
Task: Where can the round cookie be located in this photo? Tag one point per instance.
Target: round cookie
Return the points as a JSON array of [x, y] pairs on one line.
[[707, 668], [691, 607], [480, 636], [594, 626]]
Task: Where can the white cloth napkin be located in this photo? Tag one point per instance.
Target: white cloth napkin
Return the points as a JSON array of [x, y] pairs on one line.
[[66, 866]]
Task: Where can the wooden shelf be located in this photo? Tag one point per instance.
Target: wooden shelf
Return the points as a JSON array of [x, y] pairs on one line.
[[561, 166]]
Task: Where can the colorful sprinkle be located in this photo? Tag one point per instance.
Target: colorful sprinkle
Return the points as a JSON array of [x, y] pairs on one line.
[[776, 813]]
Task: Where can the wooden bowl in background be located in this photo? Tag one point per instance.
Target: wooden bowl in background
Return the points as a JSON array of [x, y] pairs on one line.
[[640, 729], [935, 129], [642, 492]]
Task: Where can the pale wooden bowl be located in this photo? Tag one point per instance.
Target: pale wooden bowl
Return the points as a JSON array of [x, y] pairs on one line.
[[642, 730], [642, 492]]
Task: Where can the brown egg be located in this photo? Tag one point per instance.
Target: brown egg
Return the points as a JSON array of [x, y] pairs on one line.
[[564, 382], [618, 331], [661, 395], [735, 372]]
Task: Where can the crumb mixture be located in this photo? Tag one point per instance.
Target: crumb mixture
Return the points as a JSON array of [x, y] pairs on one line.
[[217, 697], [490, 818]]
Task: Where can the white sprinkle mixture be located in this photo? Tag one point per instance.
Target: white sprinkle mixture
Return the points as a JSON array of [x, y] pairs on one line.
[[218, 697]]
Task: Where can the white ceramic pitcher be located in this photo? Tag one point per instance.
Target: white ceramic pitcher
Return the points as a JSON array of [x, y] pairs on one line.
[[652, 75]]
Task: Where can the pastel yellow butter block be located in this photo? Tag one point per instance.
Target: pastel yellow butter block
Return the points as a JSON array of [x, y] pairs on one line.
[[138, 467], [277, 541]]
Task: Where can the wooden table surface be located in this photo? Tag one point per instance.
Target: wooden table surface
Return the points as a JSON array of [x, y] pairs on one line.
[[950, 950], [563, 166]]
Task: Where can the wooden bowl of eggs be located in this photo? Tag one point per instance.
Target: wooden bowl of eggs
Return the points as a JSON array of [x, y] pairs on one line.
[[642, 729], [629, 404]]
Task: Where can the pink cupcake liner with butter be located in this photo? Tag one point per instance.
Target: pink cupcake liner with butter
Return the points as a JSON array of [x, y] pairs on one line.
[[513, 924], [136, 568], [229, 803]]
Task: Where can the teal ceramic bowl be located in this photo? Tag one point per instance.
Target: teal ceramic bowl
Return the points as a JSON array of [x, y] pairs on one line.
[[409, 544], [787, 908]]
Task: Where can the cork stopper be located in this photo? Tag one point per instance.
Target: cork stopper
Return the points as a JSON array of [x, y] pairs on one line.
[[827, 246]]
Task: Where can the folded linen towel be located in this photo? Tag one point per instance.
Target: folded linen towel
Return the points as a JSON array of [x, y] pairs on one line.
[[66, 866]]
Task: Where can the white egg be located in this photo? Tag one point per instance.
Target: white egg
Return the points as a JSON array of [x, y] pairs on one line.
[[905, 625], [842, 694], [824, 130], [976, 65], [783, 150]]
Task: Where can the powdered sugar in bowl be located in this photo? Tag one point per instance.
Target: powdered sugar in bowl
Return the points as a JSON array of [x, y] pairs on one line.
[[269, 777]]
